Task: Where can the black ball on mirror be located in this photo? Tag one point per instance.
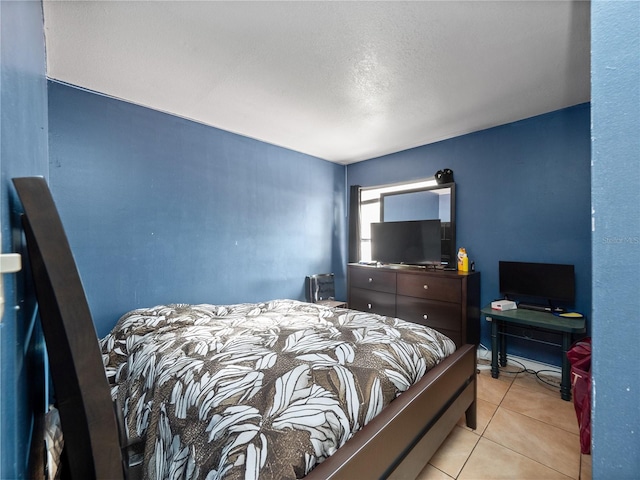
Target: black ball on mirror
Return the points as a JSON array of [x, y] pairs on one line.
[[444, 176]]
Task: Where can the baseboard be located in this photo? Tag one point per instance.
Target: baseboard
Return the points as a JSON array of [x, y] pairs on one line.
[[484, 362]]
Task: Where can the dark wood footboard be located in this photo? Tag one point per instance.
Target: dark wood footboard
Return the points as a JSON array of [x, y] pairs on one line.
[[404, 436]]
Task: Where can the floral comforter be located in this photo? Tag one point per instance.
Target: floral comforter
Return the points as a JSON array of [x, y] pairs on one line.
[[263, 390]]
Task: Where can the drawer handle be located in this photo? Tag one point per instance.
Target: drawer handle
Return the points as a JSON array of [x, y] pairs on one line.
[[371, 280], [426, 287], [369, 306], [425, 317]]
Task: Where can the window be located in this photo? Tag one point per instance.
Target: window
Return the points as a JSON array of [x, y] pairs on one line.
[[370, 209]]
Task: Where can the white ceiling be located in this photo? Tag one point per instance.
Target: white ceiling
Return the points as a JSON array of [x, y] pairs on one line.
[[341, 80]]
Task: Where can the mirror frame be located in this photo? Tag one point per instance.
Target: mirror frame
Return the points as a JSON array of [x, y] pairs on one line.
[[452, 215]]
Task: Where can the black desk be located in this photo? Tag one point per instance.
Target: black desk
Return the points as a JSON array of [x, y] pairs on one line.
[[526, 324]]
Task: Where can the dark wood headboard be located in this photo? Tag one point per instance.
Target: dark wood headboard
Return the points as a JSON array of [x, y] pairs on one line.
[[82, 393]]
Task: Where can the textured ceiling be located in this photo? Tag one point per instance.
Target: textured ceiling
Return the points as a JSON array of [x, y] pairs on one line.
[[343, 81]]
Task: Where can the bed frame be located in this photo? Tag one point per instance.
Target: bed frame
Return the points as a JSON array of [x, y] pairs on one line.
[[395, 444]]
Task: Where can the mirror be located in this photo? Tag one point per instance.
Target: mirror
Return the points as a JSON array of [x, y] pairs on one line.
[[437, 202]]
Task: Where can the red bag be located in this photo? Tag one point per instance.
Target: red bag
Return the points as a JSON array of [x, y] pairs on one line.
[[579, 356]]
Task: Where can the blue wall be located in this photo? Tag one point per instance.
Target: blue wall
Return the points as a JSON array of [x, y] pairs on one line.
[[615, 70], [489, 165], [23, 151], [522, 194], [159, 209]]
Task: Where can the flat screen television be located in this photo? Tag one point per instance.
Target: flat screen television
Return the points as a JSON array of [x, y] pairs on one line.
[[413, 242], [547, 284]]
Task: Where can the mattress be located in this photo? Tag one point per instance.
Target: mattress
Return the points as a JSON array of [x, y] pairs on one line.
[[265, 390]]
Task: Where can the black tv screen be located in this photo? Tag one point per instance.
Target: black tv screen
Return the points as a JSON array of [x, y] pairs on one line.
[[548, 282], [415, 242]]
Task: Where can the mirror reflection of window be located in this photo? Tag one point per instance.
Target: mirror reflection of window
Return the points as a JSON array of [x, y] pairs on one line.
[[422, 200], [423, 205]]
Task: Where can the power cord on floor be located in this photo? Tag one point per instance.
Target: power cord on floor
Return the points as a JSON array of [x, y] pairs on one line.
[[485, 352], [544, 381], [522, 369], [482, 355]]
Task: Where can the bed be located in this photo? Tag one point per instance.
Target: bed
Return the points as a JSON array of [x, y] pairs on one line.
[[102, 404]]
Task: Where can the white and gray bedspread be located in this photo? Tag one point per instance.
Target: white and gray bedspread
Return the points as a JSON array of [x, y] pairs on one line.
[[262, 390]]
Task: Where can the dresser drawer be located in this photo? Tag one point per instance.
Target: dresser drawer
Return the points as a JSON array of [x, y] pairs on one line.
[[445, 301], [372, 279], [381, 303], [430, 286], [439, 315]]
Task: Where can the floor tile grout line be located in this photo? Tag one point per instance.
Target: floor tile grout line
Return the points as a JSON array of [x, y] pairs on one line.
[[541, 421], [442, 471], [527, 457], [482, 435], [509, 448], [546, 385], [512, 383], [529, 416], [469, 456]]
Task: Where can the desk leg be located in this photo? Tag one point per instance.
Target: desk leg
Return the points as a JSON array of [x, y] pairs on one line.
[[565, 384], [503, 346], [494, 348]]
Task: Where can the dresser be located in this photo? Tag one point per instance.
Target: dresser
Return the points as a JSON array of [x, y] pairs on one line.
[[446, 301]]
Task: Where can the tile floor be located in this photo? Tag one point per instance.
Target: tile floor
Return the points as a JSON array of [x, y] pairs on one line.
[[525, 431]]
